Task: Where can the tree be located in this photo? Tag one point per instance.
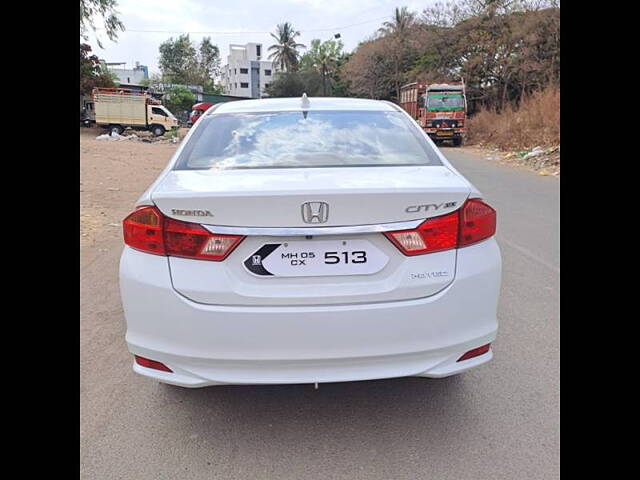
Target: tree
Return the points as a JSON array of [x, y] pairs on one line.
[[294, 84], [504, 50], [180, 62], [323, 57], [215, 89], [451, 12], [369, 71], [107, 10], [208, 64], [341, 83], [92, 73], [402, 20], [178, 100], [398, 32], [285, 52]]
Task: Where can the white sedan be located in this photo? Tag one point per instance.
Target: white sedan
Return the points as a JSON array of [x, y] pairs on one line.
[[308, 241]]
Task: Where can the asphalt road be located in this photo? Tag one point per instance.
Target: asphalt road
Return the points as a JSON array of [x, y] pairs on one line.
[[499, 421]]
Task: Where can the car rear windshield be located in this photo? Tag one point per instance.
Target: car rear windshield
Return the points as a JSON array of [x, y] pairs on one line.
[[305, 139]]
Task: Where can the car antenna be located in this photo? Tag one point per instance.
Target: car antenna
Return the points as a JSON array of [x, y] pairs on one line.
[[305, 102], [305, 106]]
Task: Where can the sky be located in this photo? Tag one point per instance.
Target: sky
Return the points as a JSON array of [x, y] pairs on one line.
[[239, 22]]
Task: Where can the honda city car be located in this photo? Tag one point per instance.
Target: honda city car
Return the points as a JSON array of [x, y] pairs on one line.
[[308, 240]]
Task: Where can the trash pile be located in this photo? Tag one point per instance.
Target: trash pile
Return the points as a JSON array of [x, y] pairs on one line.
[[159, 139], [545, 161], [116, 137]]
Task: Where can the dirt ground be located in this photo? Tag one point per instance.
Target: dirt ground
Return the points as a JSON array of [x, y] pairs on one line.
[[112, 177]]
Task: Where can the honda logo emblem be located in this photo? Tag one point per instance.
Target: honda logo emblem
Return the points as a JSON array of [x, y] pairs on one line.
[[315, 212]]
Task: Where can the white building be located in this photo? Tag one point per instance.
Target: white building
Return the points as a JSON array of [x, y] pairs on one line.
[[246, 74], [129, 76]]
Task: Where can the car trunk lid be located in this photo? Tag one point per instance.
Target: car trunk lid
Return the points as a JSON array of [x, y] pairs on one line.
[[275, 197]]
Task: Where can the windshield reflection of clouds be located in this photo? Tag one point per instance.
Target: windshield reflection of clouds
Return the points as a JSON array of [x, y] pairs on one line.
[[322, 139]]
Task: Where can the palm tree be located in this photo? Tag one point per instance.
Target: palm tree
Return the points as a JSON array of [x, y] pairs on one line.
[[285, 52], [323, 57], [398, 29], [400, 23]]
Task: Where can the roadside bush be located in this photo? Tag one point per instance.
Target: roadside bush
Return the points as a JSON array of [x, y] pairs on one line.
[[536, 122], [178, 99]]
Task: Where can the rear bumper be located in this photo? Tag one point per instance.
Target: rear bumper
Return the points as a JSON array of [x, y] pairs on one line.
[[434, 136], [212, 344]]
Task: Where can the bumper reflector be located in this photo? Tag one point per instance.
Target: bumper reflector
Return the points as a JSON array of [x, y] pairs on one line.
[[476, 352], [145, 362]]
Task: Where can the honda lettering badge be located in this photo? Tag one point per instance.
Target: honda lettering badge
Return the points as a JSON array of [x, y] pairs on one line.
[[315, 212]]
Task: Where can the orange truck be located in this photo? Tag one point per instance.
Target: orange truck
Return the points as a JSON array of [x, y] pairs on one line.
[[439, 108]]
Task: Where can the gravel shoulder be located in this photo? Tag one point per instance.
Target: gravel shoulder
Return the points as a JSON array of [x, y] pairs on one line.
[[543, 161]]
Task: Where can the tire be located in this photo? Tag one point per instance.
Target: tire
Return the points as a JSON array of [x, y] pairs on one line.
[[157, 130], [116, 128], [457, 142]]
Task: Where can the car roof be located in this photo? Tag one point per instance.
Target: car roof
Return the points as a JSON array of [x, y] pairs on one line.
[[296, 104]]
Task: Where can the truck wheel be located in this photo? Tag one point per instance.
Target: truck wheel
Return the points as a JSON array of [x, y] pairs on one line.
[[116, 129], [457, 142], [158, 130]]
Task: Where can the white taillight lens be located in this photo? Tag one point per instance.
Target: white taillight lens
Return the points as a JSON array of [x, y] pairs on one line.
[[190, 240], [410, 241], [218, 246], [433, 235]]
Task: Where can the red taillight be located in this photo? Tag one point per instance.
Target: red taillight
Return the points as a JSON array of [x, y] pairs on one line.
[[474, 222], [145, 362], [183, 239], [143, 230], [433, 235], [476, 352], [477, 222], [147, 229]]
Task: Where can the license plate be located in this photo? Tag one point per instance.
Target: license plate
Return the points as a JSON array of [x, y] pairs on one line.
[[445, 133], [314, 258]]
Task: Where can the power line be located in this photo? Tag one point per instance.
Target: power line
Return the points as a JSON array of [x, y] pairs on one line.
[[251, 33]]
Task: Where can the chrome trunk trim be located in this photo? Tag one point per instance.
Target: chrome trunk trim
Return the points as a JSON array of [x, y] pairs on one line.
[[305, 231]]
